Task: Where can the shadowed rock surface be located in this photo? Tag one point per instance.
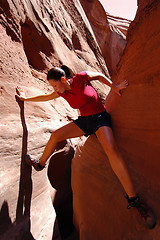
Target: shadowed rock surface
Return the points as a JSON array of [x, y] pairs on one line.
[[99, 203], [60, 179], [110, 32]]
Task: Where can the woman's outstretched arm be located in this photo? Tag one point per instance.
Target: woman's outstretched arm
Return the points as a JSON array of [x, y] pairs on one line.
[[102, 78], [39, 98]]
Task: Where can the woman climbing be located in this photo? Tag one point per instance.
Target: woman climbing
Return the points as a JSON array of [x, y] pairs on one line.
[[93, 119]]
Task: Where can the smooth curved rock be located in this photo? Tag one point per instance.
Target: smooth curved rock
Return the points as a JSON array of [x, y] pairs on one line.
[[99, 203], [109, 32]]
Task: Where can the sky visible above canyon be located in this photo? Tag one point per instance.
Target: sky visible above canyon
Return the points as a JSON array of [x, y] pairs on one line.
[[122, 8]]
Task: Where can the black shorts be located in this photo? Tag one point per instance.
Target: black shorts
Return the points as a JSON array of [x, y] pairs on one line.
[[90, 124]]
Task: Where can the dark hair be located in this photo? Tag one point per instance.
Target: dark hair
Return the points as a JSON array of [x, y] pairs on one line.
[[55, 73], [67, 71]]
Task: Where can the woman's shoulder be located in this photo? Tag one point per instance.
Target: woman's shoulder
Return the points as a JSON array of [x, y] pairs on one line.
[[80, 77], [82, 73]]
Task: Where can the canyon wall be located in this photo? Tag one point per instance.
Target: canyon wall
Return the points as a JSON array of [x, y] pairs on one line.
[[34, 36], [100, 207], [109, 31]]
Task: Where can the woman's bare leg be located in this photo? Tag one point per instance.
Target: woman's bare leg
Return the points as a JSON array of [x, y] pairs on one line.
[[70, 130], [106, 138]]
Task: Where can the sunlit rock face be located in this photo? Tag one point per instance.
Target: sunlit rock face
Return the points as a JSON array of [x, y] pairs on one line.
[[122, 24], [100, 207], [34, 36], [110, 32]]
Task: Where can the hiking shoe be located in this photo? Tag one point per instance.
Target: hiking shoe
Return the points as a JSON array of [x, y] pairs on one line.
[[33, 162], [145, 212]]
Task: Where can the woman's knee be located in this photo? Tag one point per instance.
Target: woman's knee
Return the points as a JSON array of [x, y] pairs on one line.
[[56, 137]]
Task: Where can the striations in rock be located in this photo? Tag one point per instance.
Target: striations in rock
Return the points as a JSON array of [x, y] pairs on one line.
[[34, 36], [120, 23]]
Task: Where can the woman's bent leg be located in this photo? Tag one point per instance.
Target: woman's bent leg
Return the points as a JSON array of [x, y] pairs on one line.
[[106, 138], [70, 130]]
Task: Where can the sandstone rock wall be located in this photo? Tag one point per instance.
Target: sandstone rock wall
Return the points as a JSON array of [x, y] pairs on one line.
[[109, 31], [142, 4], [34, 36], [121, 23], [99, 202]]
